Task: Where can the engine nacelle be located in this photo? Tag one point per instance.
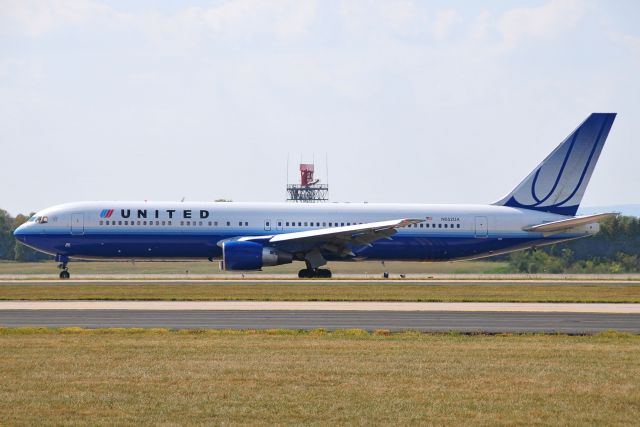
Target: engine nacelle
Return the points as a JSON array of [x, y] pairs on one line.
[[241, 255]]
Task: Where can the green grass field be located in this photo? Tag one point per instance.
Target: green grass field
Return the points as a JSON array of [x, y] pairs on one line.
[[205, 267], [157, 377], [327, 291]]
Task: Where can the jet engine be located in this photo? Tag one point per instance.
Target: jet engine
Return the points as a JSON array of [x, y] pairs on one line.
[[243, 255]]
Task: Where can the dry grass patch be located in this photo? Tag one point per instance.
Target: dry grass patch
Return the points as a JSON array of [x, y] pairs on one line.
[[79, 377], [329, 291], [205, 267]]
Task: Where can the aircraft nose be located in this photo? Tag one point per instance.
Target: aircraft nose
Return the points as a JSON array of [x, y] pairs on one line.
[[20, 233]]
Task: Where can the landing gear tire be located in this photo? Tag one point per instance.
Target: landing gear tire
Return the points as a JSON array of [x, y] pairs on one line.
[[323, 273], [308, 273], [305, 274], [64, 274]]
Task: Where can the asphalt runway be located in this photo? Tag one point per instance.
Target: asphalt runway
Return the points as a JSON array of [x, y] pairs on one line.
[[30, 280], [488, 322], [306, 315], [425, 321]]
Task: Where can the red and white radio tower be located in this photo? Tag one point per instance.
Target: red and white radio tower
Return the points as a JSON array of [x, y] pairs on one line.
[[309, 190]]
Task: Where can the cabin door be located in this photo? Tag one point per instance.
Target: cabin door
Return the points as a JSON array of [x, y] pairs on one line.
[[77, 223], [481, 226]]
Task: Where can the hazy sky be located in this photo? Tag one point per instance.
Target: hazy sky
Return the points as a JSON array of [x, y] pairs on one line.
[[434, 102]]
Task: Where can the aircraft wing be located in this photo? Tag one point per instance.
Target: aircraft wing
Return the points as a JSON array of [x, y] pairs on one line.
[[338, 240], [565, 224]]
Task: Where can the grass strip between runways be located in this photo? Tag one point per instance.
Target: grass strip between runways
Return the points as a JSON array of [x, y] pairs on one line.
[[328, 291]]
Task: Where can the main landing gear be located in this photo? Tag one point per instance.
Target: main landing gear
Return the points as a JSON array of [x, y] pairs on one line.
[[318, 273], [313, 260]]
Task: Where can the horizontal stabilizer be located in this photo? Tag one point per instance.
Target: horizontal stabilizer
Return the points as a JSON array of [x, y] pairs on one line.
[[565, 224]]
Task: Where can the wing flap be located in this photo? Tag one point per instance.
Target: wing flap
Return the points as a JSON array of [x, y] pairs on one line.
[[565, 224]]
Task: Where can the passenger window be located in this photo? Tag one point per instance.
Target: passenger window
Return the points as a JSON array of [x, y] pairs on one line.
[[421, 225], [306, 224], [215, 223], [317, 224], [299, 224], [188, 222], [101, 222], [342, 224], [107, 222], [457, 225], [199, 223], [163, 222], [286, 223], [246, 223], [279, 223], [439, 225], [229, 223], [324, 224], [445, 226], [181, 222], [168, 222], [240, 224], [119, 222]]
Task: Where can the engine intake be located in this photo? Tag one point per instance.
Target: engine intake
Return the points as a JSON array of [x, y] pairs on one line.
[[241, 255]]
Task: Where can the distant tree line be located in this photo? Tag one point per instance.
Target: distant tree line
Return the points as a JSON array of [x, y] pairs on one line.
[[615, 249], [9, 248]]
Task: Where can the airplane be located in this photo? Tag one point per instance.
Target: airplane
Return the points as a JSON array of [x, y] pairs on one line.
[[540, 211]]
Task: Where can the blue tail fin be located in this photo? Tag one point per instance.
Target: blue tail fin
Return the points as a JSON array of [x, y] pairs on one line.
[[558, 183]]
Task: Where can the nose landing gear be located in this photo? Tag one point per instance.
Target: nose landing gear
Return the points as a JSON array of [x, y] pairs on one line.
[[64, 273]]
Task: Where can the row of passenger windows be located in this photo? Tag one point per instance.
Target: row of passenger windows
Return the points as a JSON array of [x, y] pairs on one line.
[[183, 223], [267, 224], [135, 222], [342, 224], [428, 225], [317, 224]]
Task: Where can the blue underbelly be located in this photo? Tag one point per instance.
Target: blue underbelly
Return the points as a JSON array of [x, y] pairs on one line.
[[176, 245]]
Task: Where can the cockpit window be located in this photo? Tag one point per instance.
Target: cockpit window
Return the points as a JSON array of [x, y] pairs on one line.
[[32, 219], [42, 219]]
